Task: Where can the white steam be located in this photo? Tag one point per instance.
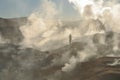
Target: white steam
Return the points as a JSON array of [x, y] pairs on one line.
[[106, 11], [41, 26], [82, 56], [43, 29], [115, 63], [98, 17]]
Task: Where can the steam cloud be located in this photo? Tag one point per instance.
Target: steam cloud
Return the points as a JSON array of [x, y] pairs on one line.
[[106, 11], [43, 29], [98, 17], [40, 26]]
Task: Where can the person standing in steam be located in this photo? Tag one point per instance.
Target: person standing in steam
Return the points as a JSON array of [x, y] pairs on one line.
[[70, 39]]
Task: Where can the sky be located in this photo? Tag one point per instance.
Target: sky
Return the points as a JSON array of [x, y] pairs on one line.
[[23, 8]]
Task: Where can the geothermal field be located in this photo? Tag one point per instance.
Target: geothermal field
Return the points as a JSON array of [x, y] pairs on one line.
[[44, 47]]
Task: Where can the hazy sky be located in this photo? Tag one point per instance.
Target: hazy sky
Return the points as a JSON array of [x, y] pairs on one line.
[[21, 8]]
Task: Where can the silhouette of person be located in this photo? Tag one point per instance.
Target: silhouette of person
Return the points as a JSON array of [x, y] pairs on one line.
[[70, 38]]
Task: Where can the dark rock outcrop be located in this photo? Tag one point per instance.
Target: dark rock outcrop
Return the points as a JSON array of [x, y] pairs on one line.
[[9, 29]]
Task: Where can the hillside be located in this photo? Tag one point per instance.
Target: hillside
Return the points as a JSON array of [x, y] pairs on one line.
[[86, 59], [9, 29]]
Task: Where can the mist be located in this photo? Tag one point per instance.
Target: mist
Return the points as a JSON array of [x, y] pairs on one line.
[[54, 49], [44, 29]]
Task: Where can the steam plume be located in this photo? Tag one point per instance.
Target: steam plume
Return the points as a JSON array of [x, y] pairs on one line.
[[98, 17], [105, 11], [43, 29]]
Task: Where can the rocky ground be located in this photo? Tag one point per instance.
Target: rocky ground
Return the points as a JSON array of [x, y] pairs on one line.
[[31, 64]]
